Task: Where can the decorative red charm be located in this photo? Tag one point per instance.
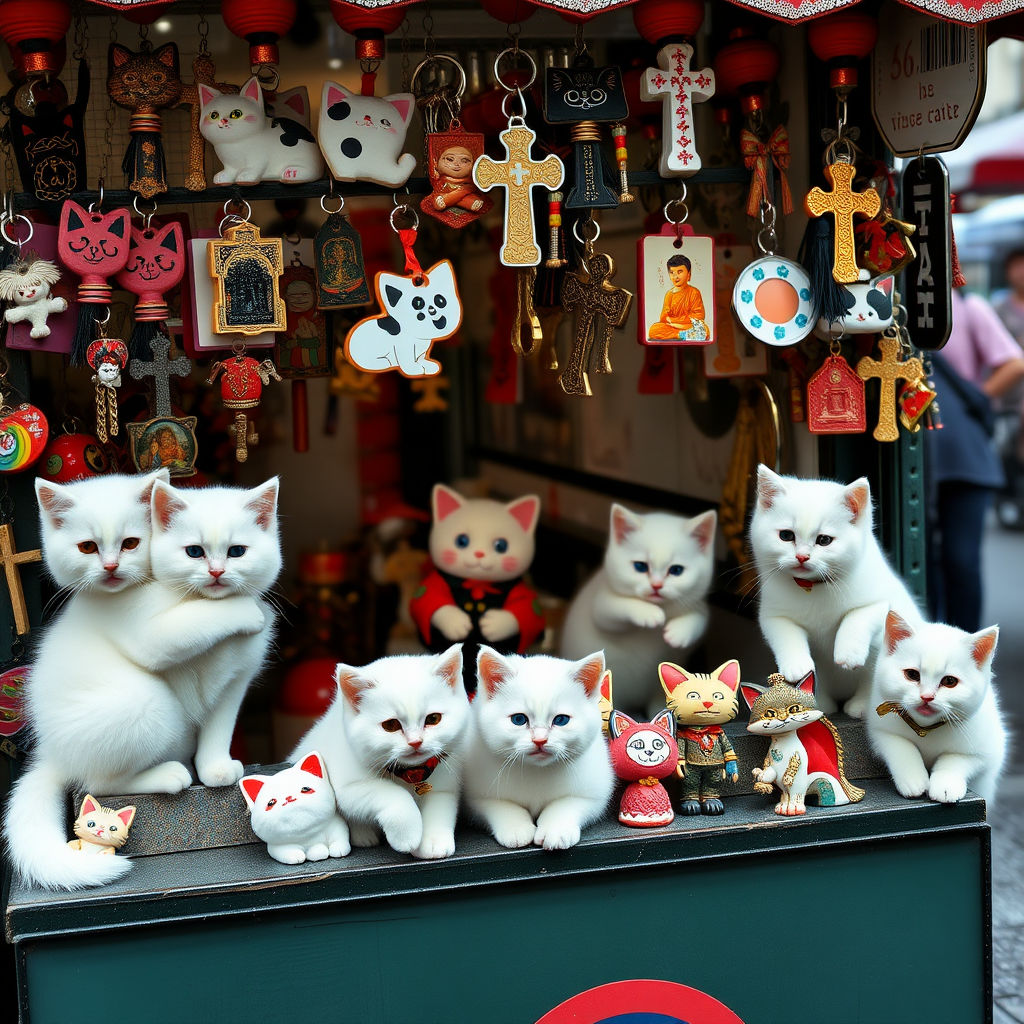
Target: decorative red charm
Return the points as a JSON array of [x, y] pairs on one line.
[[260, 23], [156, 263], [835, 399], [73, 457], [95, 246], [240, 389]]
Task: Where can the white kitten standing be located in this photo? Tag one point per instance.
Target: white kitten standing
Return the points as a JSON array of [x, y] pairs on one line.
[[538, 769], [648, 600], [935, 719], [392, 742], [825, 584]]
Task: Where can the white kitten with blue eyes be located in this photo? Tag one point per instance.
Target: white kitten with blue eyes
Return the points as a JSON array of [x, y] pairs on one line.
[[537, 768], [935, 719], [826, 586], [647, 602]]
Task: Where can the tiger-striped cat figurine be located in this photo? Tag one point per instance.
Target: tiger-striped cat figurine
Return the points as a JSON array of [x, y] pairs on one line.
[[806, 753]]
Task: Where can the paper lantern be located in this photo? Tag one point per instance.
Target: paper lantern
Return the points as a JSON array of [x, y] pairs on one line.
[[261, 23], [841, 40], [663, 21], [745, 67], [32, 29]]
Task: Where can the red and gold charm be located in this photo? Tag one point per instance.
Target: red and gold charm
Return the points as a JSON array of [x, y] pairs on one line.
[[835, 399], [241, 388]]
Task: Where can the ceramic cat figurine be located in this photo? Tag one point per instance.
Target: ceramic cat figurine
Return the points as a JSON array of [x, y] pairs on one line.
[[806, 752], [643, 753], [252, 146], [165, 662], [868, 307], [936, 720], [537, 768], [101, 829], [701, 704], [27, 285], [414, 314], [826, 587], [647, 603], [294, 812], [475, 591], [362, 136], [392, 743]]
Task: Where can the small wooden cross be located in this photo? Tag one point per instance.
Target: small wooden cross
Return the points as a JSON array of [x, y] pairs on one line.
[[160, 368], [519, 174], [203, 72], [888, 370], [592, 296], [678, 88], [11, 558], [843, 203]]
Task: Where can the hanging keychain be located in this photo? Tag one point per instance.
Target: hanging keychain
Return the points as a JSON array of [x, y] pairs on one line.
[[108, 357], [26, 284], [241, 388], [23, 432], [418, 307], [890, 369], [836, 402], [340, 271]]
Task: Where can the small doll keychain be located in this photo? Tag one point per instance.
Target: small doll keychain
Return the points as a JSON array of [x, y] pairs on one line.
[[26, 284], [241, 388], [108, 357]]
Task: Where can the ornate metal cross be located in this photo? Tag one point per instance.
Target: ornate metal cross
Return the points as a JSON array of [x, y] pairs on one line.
[[888, 370], [160, 368], [842, 202]]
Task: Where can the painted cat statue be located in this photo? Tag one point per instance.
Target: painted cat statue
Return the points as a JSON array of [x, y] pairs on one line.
[[644, 753], [101, 829], [806, 753], [475, 591]]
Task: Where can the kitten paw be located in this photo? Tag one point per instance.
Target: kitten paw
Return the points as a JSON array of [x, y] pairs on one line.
[[851, 655], [794, 669], [911, 783], [170, 777], [362, 834], [856, 706], [453, 623], [682, 632], [647, 616], [435, 847], [498, 624], [712, 805], [220, 773], [339, 848], [287, 854], [318, 851], [404, 836], [559, 836], [947, 787], [516, 836]]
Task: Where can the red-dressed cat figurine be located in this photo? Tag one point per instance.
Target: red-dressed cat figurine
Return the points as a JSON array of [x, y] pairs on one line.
[[644, 753]]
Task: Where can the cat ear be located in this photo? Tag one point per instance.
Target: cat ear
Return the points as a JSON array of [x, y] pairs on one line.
[[806, 685], [74, 215], [445, 501], [492, 670], [127, 815], [449, 666], [89, 805], [769, 486], [588, 673], [207, 95], [351, 684], [885, 284], [728, 674], [314, 764], [403, 102], [263, 502], [167, 55], [166, 503], [896, 631], [120, 225], [335, 93], [171, 237], [149, 482], [624, 523], [665, 720], [671, 676], [251, 786], [252, 91], [392, 293], [618, 723], [751, 692], [857, 498], [983, 646], [606, 685], [297, 102], [525, 511], [55, 501], [118, 55], [702, 529], [442, 277]]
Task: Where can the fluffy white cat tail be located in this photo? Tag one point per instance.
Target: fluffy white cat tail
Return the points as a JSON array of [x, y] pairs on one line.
[[37, 841]]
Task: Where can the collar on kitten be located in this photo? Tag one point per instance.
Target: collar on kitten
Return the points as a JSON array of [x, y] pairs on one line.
[[416, 775], [890, 705], [805, 585], [704, 735]]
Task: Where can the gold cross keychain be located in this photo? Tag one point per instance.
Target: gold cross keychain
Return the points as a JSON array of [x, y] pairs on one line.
[[889, 369]]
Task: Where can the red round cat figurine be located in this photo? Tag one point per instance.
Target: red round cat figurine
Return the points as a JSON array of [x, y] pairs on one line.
[[643, 753]]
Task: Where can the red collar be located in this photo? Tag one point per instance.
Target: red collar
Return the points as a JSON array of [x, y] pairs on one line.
[[416, 775], [807, 585]]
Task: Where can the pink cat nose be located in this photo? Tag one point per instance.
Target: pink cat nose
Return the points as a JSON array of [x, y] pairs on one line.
[[415, 744], [216, 573], [927, 697], [111, 567], [656, 586], [539, 742], [803, 558], [709, 703], [478, 554]]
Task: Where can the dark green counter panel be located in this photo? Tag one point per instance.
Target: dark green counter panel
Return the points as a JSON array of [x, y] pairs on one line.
[[839, 934]]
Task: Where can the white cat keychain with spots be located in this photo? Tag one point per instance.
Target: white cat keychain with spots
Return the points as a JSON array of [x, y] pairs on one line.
[[418, 308]]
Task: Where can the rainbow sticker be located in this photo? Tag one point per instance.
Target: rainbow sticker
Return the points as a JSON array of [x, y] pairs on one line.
[[23, 436]]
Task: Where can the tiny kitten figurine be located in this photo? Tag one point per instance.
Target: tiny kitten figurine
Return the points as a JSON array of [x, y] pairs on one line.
[[806, 752], [294, 812], [868, 307], [937, 724], [538, 769], [392, 743], [101, 829], [647, 602], [701, 703], [825, 585], [643, 753], [475, 592], [252, 146]]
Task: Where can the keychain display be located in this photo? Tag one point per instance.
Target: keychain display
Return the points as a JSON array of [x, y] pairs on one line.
[[108, 357], [836, 401], [26, 285], [418, 308], [884, 244], [889, 369], [241, 386]]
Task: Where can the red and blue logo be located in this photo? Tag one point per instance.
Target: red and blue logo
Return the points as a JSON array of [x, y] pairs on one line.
[[641, 1002]]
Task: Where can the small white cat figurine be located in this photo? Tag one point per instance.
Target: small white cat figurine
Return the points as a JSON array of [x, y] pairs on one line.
[[27, 285], [825, 584], [101, 830], [935, 719], [647, 602], [392, 742], [868, 307], [414, 314], [252, 146], [294, 812], [362, 136], [538, 768]]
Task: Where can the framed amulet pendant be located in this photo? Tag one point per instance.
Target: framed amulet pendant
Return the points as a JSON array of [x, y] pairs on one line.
[[454, 198], [835, 399], [676, 277], [246, 269]]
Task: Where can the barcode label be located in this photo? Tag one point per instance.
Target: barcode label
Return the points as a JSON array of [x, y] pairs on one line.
[[943, 45]]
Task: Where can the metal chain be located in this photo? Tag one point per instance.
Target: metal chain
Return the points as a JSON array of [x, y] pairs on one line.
[[204, 32], [514, 30], [405, 54], [145, 46], [81, 32], [110, 117], [428, 32]]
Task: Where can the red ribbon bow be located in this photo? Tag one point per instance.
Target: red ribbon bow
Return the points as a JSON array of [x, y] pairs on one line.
[[755, 157], [477, 588]]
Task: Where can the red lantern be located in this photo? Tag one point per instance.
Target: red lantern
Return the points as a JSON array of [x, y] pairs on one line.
[[32, 29], [260, 23], [369, 25], [664, 21], [508, 12], [145, 14], [746, 67], [841, 40]]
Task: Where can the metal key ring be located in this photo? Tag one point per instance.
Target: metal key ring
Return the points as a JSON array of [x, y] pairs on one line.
[[231, 218], [237, 202], [99, 202], [19, 242], [104, 321], [323, 204], [436, 59], [586, 241], [406, 210], [511, 94], [517, 52]]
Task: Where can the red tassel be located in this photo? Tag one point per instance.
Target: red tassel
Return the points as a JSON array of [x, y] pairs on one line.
[[367, 83], [958, 278]]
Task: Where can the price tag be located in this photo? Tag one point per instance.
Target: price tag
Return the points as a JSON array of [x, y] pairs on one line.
[[928, 81]]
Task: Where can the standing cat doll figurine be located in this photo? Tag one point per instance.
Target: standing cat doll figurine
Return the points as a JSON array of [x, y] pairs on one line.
[[806, 753], [101, 829], [294, 812], [644, 753], [701, 704], [252, 146], [27, 286], [647, 603], [936, 720], [475, 591]]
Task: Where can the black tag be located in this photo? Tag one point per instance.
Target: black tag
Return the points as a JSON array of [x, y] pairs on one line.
[[579, 94], [340, 274], [928, 281]]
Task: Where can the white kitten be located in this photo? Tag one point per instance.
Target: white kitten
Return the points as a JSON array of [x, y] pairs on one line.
[[294, 812], [537, 769], [392, 742], [647, 602], [937, 680], [136, 677], [825, 584]]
